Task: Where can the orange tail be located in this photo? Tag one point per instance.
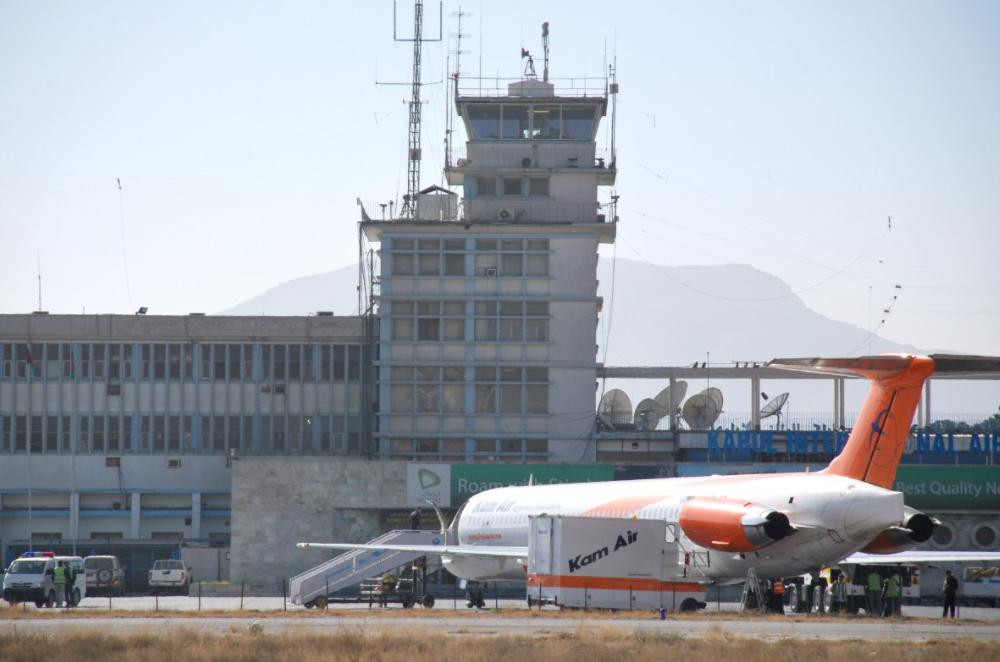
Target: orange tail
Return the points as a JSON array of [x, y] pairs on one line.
[[879, 435]]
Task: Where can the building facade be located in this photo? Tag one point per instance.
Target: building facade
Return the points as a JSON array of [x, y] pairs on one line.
[[488, 319], [124, 428]]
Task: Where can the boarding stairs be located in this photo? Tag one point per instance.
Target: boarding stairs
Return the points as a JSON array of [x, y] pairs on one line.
[[753, 593], [357, 565]]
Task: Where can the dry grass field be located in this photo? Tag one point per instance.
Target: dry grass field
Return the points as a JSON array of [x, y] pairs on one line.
[[585, 645]]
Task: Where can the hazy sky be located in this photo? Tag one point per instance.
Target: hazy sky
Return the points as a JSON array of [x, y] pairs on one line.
[[779, 134]]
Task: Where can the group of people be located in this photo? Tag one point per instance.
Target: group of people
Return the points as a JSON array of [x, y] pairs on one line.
[[63, 580], [883, 594]]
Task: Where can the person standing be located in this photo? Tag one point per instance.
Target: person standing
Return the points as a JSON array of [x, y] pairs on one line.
[[778, 589], [950, 590], [59, 582], [70, 584], [874, 593], [839, 594], [893, 589]]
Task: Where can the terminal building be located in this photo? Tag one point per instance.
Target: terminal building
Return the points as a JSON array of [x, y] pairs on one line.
[[226, 440]]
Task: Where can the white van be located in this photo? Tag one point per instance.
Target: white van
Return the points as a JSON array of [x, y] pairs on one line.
[[29, 579]]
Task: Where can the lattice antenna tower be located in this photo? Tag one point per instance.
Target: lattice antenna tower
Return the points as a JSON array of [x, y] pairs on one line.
[[454, 75], [413, 155]]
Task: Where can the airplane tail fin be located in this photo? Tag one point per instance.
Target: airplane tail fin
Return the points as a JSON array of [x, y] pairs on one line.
[[878, 437]]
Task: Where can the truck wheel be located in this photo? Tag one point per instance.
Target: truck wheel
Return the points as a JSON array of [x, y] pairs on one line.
[[689, 605], [39, 603], [427, 601]]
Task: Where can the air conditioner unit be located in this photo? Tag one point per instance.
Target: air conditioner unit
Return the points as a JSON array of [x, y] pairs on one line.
[[490, 271], [505, 214]]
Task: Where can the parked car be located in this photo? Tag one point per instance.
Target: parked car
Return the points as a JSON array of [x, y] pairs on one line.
[[169, 574], [105, 575]]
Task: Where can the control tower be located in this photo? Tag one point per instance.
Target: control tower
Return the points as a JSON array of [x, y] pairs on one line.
[[488, 306]]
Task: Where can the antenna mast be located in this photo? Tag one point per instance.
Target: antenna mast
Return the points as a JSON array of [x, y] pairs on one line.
[[545, 48], [455, 75], [413, 169]]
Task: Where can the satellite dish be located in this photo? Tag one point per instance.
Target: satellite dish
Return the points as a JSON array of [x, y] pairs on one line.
[[647, 414], [716, 396], [670, 398], [701, 410], [615, 407], [774, 407]]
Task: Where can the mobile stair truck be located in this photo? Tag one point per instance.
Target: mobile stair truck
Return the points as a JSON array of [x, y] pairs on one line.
[[609, 563], [314, 587]]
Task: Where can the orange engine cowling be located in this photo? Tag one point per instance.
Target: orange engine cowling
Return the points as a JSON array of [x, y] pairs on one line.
[[732, 526], [916, 528]]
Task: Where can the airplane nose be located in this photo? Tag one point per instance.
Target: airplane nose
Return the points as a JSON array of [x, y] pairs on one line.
[[871, 511]]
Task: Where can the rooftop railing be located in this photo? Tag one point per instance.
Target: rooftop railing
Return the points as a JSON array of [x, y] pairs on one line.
[[583, 86]]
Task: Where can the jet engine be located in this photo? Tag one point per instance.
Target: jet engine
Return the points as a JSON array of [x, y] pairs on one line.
[[732, 525], [916, 528]]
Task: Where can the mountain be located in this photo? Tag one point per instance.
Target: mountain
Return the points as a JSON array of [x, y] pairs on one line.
[[333, 290], [661, 315], [673, 315]]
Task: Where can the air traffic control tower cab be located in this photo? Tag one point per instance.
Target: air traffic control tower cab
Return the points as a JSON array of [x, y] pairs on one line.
[[531, 154]]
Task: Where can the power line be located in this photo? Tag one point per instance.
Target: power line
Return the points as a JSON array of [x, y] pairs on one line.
[[755, 299]]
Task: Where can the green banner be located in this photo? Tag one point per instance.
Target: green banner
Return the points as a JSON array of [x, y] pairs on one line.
[[950, 488], [470, 479]]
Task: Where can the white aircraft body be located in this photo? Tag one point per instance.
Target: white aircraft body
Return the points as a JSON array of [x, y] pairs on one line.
[[779, 524]]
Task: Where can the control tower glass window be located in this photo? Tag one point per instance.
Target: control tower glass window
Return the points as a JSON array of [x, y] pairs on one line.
[[578, 122], [515, 122], [485, 122], [546, 122]]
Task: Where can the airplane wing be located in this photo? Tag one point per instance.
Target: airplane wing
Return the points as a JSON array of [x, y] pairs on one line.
[[442, 550], [923, 557]]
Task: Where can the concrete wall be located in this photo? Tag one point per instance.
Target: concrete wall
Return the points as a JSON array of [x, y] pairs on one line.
[[279, 502]]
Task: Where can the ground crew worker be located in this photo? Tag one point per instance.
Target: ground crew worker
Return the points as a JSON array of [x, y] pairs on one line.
[[388, 585], [59, 583], [839, 594], [70, 584], [950, 589], [778, 588], [415, 519], [893, 588], [874, 593]]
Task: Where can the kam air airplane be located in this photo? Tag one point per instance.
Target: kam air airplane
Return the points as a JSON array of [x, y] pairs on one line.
[[779, 524]]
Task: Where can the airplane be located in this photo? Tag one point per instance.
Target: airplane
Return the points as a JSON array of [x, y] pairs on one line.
[[778, 524]]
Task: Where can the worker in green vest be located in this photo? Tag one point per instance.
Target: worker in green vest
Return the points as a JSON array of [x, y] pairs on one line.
[[59, 582], [893, 588], [874, 588]]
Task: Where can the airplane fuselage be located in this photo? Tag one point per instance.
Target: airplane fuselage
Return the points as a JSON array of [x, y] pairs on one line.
[[833, 517]]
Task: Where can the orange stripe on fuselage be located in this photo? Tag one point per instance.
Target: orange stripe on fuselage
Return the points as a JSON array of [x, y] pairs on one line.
[[613, 583]]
